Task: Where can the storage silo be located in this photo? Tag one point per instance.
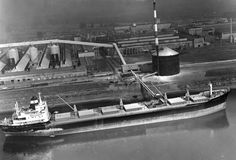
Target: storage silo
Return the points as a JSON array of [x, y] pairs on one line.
[[155, 62], [55, 54], [33, 53], [62, 53], [13, 57], [168, 62]]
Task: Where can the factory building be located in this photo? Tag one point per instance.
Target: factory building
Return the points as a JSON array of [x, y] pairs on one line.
[[136, 45], [208, 31], [209, 34], [31, 62], [227, 31], [19, 77], [229, 37], [141, 28], [122, 29], [195, 31], [198, 42]]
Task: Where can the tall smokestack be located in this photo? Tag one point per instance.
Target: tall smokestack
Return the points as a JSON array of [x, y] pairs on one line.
[[156, 34]]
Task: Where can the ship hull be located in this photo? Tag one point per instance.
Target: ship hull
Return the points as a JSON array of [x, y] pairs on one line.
[[106, 126], [22, 128], [118, 121]]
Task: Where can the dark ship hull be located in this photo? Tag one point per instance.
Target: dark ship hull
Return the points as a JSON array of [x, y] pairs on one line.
[[22, 128], [79, 125]]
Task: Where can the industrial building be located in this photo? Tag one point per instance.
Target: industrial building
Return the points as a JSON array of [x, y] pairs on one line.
[[142, 29], [53, 59], [136, 45], [198, 42], [228, 32], [195, 31]]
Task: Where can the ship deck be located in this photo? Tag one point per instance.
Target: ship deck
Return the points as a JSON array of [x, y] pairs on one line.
[[138, 108]]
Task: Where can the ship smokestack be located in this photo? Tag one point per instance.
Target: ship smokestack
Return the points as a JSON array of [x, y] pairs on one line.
[[40, 99], [156, 34], [210, 92], [17, 109], [121, 103]]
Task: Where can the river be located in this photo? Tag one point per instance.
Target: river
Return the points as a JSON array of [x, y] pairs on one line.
[[208, 138]]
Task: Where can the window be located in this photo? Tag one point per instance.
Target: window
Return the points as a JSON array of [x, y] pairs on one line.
[[20, 118]]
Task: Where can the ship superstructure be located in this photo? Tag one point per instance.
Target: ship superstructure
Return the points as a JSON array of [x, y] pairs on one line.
[[36, 115]]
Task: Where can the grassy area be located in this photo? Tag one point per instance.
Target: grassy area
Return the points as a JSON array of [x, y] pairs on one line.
[[138, 58], [214, 52], [102, 65], [221, 72]]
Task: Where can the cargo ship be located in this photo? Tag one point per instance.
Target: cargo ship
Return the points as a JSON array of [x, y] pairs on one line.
[[36, 120], [16, 144]]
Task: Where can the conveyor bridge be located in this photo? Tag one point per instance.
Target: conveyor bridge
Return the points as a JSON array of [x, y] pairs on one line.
[[135, 75]]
